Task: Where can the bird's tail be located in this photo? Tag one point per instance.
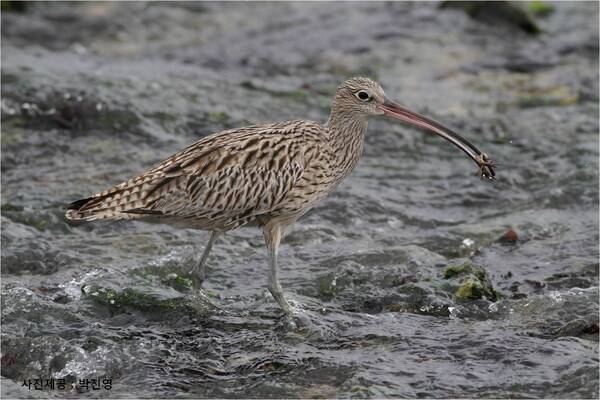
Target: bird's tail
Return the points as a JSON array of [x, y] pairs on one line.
[[93, 208], [120, 202]]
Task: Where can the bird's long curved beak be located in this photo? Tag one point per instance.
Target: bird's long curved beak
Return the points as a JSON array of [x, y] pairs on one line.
[[395, 110]]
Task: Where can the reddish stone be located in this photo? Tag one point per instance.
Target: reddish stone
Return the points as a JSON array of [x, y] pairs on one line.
[[510, 236]]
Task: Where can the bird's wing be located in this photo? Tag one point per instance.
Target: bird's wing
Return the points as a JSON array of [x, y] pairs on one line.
[[229, 186], [230, 176]]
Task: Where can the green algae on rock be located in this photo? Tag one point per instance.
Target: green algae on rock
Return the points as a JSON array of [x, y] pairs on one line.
[[473, 282], [7, 207], [178, 282], [143, 300], [540, 8], [453, 270], [497, 13], [34, 219]]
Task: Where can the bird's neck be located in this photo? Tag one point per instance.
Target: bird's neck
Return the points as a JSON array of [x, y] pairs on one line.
[[346, 136]]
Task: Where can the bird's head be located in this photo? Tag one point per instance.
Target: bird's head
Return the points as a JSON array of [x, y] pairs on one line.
[[364, 97], [360, 96]]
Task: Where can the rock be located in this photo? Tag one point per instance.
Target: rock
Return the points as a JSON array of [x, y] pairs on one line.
[[472, 282], [497, 13], [178, 282], [554, 96], [144, 299], [510, 237], [14, 6], [73, 110], [540, 8], [578, 328]]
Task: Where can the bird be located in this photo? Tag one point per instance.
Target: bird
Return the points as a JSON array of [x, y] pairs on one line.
[[266, 175]]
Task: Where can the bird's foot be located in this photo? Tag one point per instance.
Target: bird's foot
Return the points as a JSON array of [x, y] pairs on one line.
[[301, 320], [293, 316], [305, 324], [296, 321]]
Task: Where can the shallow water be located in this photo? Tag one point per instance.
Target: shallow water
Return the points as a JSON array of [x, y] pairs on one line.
[[94, 93]]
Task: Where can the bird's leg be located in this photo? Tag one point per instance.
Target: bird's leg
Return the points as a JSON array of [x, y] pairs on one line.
[[198, 272], [273, 238]]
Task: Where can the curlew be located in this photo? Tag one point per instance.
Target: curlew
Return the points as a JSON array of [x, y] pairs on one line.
[[262, 175]]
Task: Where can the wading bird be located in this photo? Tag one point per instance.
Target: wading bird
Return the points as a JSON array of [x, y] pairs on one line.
[[263, 175]]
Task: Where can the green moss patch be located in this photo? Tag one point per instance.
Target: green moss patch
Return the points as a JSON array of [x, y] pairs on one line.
[[10, 207], [178, 282], [472, 282], [134, 298], [540, 8], [453, 270]]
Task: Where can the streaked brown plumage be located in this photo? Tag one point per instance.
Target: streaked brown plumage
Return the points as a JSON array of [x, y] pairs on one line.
[[265, 175]]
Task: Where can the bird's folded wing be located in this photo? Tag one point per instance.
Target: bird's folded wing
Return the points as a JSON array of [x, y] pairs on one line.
[[229, 183], [226, 176]]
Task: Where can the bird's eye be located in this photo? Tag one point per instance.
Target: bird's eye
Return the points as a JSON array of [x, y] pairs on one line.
[[364, 96]]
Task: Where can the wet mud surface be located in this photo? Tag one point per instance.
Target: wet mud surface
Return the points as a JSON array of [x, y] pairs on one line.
[[411, 284]]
